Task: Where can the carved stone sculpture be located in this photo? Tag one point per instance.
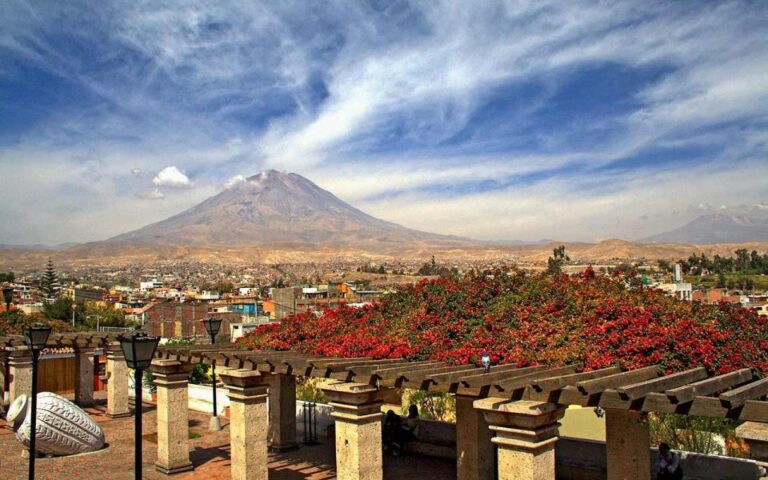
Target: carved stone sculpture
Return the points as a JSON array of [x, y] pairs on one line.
[[62, 427]]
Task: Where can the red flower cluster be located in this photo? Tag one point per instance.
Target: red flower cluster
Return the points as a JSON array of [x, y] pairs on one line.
[[530, 319]]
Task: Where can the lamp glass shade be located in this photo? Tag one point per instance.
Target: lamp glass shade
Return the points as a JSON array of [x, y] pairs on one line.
[[36, 335], [138, 349], [7, 294], [212, 326]]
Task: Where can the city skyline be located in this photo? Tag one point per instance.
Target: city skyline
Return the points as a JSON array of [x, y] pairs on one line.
[[492, 121]]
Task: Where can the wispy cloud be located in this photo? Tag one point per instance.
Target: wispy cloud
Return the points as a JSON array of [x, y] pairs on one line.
[[492, 119]]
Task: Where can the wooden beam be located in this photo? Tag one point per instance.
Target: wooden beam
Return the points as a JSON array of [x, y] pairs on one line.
[[751, 391], [560, 381], [641, 389], [419, 375], [392, 373], [571, 395], [497, 377], [597, 385], [755, 411], [515, 386], [709, 386]]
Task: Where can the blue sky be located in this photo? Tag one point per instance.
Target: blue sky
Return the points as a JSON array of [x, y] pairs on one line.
[[493, 120]]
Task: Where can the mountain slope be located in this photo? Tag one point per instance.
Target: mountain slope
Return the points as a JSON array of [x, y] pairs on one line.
[[274, 208], [742, 224]]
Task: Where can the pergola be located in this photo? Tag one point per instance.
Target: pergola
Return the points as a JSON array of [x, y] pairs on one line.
[[515, 409]]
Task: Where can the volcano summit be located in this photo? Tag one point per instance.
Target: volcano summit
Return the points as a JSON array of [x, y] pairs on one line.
[[280, 209]]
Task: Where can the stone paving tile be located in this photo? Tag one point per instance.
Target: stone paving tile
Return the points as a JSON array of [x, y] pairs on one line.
[[209, 454]]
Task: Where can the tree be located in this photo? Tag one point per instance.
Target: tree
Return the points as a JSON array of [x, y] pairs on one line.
[[59, 308], [742, 259], [49, 284], [7, 277], [556, 261], [721, 281]]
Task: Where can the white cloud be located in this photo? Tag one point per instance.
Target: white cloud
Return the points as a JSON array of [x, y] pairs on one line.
[[360, 100], [172, 177], [153, 194], [234, 181]]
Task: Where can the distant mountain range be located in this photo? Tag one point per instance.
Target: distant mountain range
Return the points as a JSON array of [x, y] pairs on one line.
[[281, 209], [276, 217], [731, 225]]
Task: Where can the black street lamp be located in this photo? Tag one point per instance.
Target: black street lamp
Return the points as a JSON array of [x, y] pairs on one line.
[[138, 349], [35, 337], [212, 326], [8, 297]]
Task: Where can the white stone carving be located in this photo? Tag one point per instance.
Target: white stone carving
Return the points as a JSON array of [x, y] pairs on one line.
[[62, 427]]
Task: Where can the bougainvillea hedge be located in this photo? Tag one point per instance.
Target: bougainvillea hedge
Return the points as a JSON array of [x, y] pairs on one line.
[[528, 319]]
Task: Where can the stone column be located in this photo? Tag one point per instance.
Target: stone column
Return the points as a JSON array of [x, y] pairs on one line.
[[247, 423], [526, 433], [171, 379], [627, 445], [474, 450], [756, 436], [117, 383], [357, 410], [84, 376], [282, 412], [20, 371]]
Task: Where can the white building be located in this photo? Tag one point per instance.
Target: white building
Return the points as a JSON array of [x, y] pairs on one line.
[[681, 290], [150, 285]]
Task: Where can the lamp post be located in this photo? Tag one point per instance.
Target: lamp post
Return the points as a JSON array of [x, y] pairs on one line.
[[138, 349], [35, 337], [212, 326], [8, 297]]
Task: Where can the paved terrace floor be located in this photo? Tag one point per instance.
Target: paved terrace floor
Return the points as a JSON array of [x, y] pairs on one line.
[[209, 454]]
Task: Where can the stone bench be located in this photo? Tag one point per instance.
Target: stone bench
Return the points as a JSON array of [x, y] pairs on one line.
[[435, 439]]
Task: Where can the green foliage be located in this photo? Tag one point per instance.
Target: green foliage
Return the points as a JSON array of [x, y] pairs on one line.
[[432, 268], [59, 309], [88, 314], [557, 260], [693, 434], [310, 389], [743, 262], [49, 284], [7, 277], [432, 406], [737, 281], [149, 380], [200, 373]]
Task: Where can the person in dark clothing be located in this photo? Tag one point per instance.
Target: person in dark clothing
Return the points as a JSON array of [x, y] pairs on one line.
[[408, 431], [392, 422], [669, 464]]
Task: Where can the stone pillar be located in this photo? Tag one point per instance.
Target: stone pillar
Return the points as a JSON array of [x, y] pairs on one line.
[[756, 436], [84, 376], [282, 412], [474, 450], [357, 410], [117, 383], [171, 379], [20, 371], [526, 433], [247, 423], [627, 445]]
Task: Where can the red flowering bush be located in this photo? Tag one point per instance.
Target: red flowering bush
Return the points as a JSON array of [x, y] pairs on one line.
[[530, 319]]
